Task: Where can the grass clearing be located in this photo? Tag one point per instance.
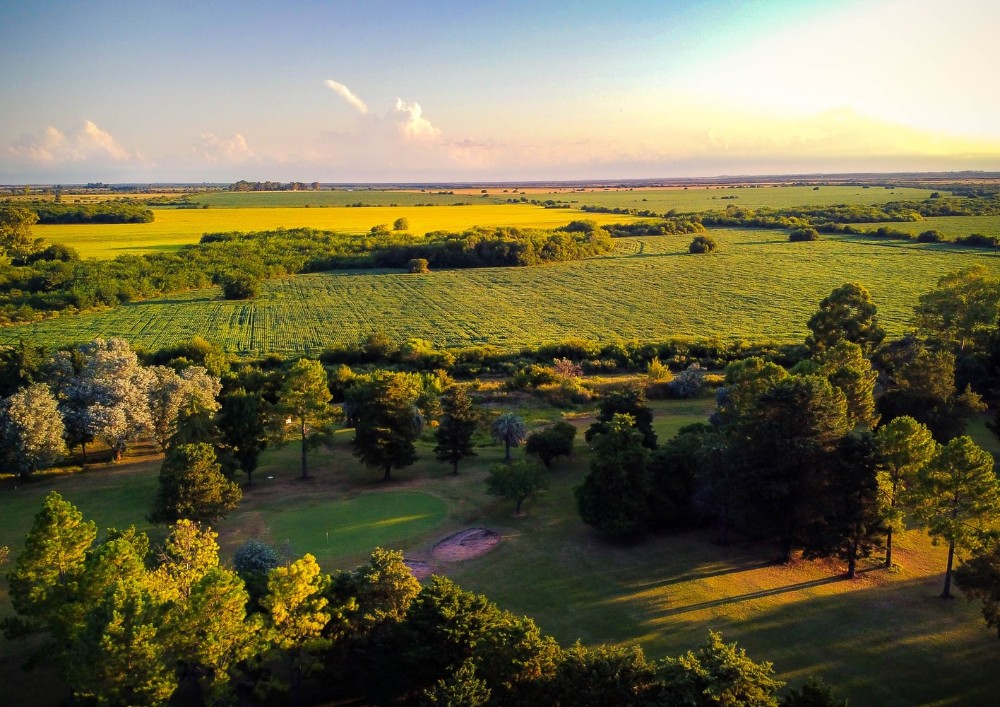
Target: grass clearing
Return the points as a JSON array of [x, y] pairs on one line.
[[883, 639], [950, 226], [176, 227], [756, 286]]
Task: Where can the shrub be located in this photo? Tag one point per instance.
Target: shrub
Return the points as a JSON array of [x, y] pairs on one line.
[[702, 244], [930, 237], [978, 240], [687, 383], [417, 265], [803, 234], [237, 285], [401, 224]]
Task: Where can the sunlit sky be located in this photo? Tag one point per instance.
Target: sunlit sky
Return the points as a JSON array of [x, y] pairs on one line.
[[487, 91]]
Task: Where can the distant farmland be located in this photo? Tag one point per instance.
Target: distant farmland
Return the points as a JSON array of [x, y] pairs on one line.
[[758, 286], [176, 227]]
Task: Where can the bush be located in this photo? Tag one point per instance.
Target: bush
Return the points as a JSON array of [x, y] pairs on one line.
[[931, 237], [702, 244], [978, 240], [240, 286], [401, 224], [803, 234], [687, 383], [417, 265]]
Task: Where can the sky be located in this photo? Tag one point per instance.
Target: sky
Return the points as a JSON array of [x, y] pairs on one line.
[[423, 91]]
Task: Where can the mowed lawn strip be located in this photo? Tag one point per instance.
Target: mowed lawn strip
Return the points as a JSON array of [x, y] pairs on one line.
[[757, 286]]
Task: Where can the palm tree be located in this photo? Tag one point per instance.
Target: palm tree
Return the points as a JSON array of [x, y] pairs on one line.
[[509, 429]]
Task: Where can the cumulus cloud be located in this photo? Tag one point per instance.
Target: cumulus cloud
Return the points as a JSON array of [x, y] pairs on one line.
[[348, 95], [83, 143], [409, 121], [215, 149]]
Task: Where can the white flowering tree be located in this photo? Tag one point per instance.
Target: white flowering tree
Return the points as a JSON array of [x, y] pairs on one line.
[[31, 430], [170, 392]]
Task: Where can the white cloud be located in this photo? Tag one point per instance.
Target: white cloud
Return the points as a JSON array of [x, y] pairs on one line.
[[408, 119], [234, 149], [84, 143], [348, 95]]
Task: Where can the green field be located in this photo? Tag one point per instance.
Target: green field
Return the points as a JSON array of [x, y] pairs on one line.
[[712, 198], [950, 226], [883, 639], [757, 286], [176, 227]]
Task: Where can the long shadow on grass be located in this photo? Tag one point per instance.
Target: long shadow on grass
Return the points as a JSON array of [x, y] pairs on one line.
[[751, 595], [708, 574]]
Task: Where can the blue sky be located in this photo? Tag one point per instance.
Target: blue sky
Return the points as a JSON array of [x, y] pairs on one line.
[[407, 91]]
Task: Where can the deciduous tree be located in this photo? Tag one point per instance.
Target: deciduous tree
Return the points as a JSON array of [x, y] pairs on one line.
[[961, 311], [516, 482], [847, 313], [31, 430]]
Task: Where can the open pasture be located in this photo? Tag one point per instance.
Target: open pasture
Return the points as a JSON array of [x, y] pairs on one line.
[[883, 639], [950, 226], [695, 199], [758, 286], [176, 227]]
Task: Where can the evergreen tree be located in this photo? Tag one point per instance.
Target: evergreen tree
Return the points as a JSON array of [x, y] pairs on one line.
[[192, 486], [957, 498], [614, 496], [904, 447], [632, 402], [243, 423], [848, 313], [458, 423], [979, 578], [305, 398], [387, 421]]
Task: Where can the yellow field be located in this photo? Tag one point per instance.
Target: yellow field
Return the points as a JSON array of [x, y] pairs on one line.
[[176, 227]]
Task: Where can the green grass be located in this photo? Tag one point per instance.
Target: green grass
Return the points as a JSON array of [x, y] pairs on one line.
[[711, 198], [757, 286], [176, 227], [883, 639], [342, 197], [950, 226]]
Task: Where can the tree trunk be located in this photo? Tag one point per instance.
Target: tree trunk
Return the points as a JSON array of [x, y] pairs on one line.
[[83, 446], [250, 478], [506, 457], [888, 549], [388, 473], [305, 473], [454, 468], [517, 507], [852, 559], [946, 594]]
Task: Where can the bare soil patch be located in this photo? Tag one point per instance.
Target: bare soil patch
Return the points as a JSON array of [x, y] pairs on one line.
[[465, 544]]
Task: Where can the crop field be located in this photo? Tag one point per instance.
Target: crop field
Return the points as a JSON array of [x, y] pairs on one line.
[[757, 286], [883, 639], [708, 198], [176, 227], [344, 197], [950, 226]]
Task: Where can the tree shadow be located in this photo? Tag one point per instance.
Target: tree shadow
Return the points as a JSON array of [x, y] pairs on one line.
[[760, 594]]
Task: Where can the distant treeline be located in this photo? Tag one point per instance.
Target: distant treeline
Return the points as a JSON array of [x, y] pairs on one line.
[[56, 280], [106, 212], [244, 185]]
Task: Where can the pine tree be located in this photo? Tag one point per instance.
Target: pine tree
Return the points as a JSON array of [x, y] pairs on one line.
[[192, 486], [458, 423]]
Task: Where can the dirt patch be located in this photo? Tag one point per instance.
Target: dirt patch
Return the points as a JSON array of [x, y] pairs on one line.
[[465, 545], [420, 569]]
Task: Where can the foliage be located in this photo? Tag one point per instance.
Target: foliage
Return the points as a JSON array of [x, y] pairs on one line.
[[814, 693], [687, 383], [905, 447], [602, 675], [417, 265], [979, 578], [551, 442], [847, 313], [240, 285], [674, 469], [117, 211], [718, 673], [169, 393], [509, 430], [15, 230], [703, 244], [516, 482], [632, 402], [192, 486], [305, 398], [957, 498], [31, 430], [458, 423], [614, 495], [799, 235], [847, 369], [386, 420], [961, 312]]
